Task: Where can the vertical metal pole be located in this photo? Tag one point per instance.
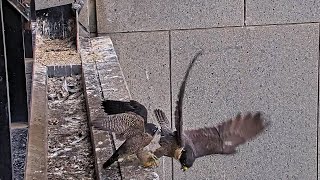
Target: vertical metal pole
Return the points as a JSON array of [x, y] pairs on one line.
[[33, 20], [28, 31], [6, 172], [15, 57]]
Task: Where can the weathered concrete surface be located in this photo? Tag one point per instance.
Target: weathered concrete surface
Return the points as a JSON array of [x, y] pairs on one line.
[[36, 163], [130, 15], [102, 141], [28, 65], [283, 11], [144, 58], [92, 16], [29, 85], [43, 4], [84, 15], [19, 148], [104, 80], [273, 69], [113, 84]]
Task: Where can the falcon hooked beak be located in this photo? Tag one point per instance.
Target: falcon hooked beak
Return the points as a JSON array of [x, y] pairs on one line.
[[184, 168], [177, 153]]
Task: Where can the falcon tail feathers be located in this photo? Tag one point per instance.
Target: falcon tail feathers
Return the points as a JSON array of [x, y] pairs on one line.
[[116, 107]]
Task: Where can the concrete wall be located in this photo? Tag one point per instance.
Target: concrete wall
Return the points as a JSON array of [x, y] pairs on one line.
[[44, 4], [258, 55]]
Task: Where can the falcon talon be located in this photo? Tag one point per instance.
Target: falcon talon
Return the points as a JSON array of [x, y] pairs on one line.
[[150, 164], [152, 160], [153, 156]]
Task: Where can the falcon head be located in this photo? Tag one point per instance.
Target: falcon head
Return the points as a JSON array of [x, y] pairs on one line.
[[151, 129], [187, 157]]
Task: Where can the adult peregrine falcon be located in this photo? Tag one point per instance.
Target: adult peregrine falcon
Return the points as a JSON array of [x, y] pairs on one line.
[[188, 145], [128, 120]]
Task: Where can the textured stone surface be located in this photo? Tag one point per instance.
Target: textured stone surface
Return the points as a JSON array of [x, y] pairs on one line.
[[130, 15], [28, 65], [29, 84], [102, 141], [92, 16], [36, 167], [19, 141], [43, 4], [144, 59], [84, 15], [272, 69], [282, 11], [104, 80]]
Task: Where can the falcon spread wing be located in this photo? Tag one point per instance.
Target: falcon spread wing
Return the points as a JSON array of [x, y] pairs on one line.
[[220, 139], [172, 143], [178, 110], [224, 138]]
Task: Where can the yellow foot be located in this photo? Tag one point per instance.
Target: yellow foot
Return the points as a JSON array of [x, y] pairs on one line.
[[152, 161]]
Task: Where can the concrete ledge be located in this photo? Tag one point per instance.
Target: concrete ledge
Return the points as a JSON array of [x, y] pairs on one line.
[[104, 79], [102, 141], [36, 163]]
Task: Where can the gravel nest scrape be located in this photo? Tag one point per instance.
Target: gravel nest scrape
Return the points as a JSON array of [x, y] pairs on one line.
[[56, 51], [70, 153]]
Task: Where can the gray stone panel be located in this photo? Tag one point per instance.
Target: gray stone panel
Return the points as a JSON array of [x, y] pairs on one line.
[[44, 4], [273, 69], [144, 59], [131, 15], [84, 15], [282, 11], [92, 16]]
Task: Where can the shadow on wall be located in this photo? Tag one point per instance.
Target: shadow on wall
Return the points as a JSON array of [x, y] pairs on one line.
[[57, 22]]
